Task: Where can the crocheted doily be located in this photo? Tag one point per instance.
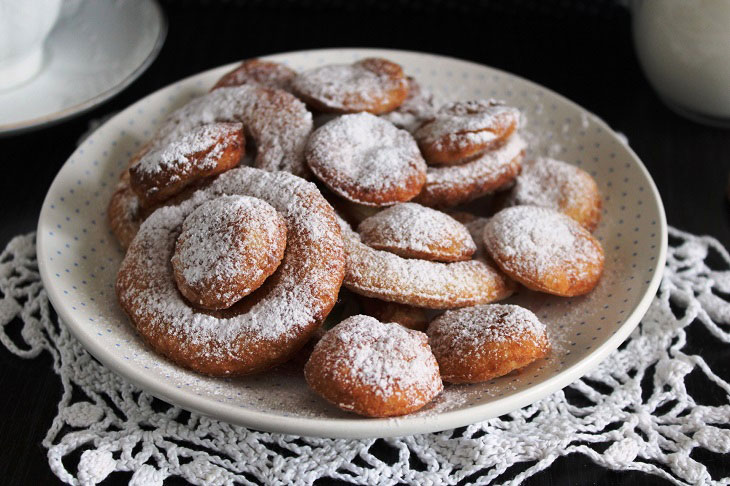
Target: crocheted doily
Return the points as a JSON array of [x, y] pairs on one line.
[[633, 412]]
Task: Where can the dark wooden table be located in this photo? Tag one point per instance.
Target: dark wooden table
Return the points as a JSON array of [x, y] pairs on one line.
[[582, 50]]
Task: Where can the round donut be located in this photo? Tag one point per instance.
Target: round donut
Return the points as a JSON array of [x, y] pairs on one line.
[[463, 130], [450, 186], [406, 315], [544, 250], [257, 71], [266, 327], [203, 151], [558, 185], [374, 369], [374, 85], [277, 122], [227, 247], [416, 108], [420, 283], [414, 231], [367, 160], [476, 344]]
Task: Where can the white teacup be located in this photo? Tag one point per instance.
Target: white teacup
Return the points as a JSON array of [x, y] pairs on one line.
[[684, 49], [24, 26]]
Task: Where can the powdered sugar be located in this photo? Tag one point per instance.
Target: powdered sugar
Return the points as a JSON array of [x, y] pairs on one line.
[[550, 183], [388, 358], [278, 122], [408, 227], [227, 246], [417, 107], [361, 154], [474, 327], [541, 242]]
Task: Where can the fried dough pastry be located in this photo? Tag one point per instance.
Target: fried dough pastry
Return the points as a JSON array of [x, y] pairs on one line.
[[544, 250], [414, 231], [558, 185], [277, 122], [227, 247], [417, 107], [421, 283], [258, 71], [406, 315], [374, 369], [449, 186], [367, 160], [374, 85], [264, 328], [203, 151], [476, 344], [462, 130]]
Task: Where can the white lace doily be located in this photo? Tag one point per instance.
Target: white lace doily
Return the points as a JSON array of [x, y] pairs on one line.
[[619, 415]]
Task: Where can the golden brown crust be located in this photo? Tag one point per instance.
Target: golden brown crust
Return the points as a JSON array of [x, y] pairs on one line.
[[374, 85], [258, 71], [263, 329], [545, 250], [202, 152], [374, 369], [450, 186], [463, 130], [477, 344]]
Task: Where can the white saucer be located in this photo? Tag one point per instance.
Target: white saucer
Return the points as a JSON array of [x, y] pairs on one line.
[[90, 56]]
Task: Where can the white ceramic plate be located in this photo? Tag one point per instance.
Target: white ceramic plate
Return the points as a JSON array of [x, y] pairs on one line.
[[94, 52], [78, 259]]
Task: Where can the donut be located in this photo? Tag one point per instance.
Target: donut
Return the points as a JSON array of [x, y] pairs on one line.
[[544, 250], [449, 186], [414, 231], [264, 328], [244, 244], [367, 160], [420, 283], [277, 123], [558, 185], [406, 315], [476, 344], [416, 108], [257, 71], [124, 212], [374, 85], [463, 130], [201, 152], [374, 369]]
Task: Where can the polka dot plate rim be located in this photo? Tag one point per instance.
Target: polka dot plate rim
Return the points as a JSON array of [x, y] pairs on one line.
[[78, 258]]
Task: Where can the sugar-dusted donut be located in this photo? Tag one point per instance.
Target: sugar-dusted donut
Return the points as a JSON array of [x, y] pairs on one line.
[[258, 71], [374, 369], [264, 328], [476, 344], [416, 108], [414, 231], [277, 122], [449, 186], [406, 315], [558, 185], [463, 130], [544, 250], [421, 283], [203, 151], [374, 85], [226, 249], [367, 160]]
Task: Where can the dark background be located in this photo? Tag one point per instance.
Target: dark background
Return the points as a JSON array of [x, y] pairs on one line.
[[582, 50]]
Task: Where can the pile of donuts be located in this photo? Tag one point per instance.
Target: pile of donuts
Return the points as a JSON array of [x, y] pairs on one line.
[[257, 208]]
